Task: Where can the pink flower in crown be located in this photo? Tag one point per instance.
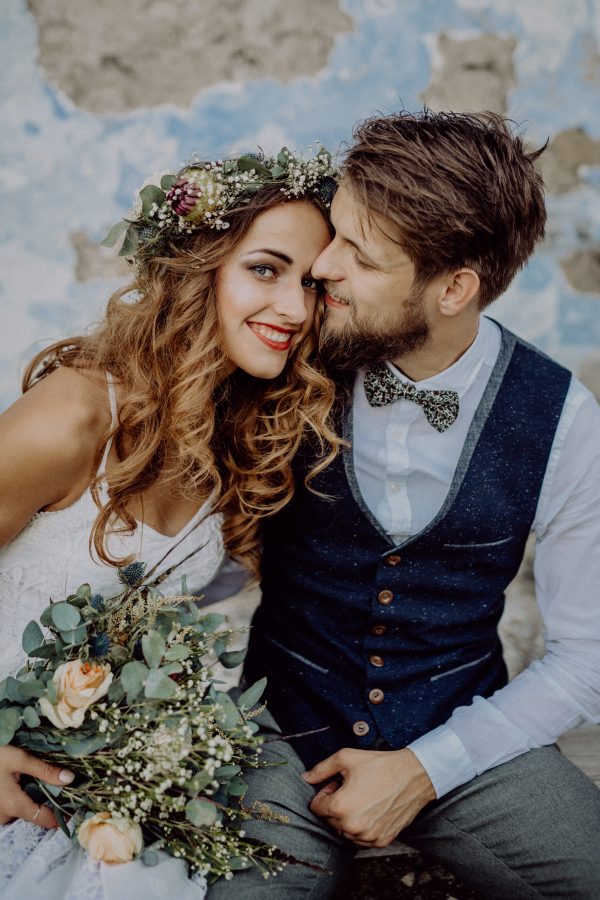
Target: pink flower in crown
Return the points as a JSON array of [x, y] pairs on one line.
[[195, 194]]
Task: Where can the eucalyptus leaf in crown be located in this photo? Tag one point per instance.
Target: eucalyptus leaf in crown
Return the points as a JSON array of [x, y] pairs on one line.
[[171, 205], [117, 689]]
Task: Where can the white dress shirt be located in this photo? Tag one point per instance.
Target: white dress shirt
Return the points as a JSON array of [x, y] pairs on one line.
[[404, 469]]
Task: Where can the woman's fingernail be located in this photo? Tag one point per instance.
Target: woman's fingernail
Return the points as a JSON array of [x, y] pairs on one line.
[[66, 776], [304, 775]]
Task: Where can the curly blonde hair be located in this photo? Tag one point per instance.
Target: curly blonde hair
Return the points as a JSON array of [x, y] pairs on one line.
[[181, 418]]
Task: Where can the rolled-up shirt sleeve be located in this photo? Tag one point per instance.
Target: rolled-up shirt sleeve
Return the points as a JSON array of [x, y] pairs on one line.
[[561, 691]]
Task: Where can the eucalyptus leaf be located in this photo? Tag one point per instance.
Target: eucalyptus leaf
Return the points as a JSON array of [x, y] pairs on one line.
[[51, 692], [133, 676], [246, 163], [283, 157], [130, 243], [229, 715], [32, 688], [84, 591], [154, 648], [53, 789], [233, 658], [3, 685], [168, 182], [236, 787], [220, 647], [209, 623], [116, 691], [75, 636], [61, 821], [10, 716], [151, 195], [173, 668], [177, 651], [159, 686], [12, 690], [226, 772], [201, 812], [84, 745], [45, 652], [30, 717], [32, 636], [46, 616], [184, 587], [252, 695], [236, 863], [65, 616], [276, 171], [6, 734], [114, 234]]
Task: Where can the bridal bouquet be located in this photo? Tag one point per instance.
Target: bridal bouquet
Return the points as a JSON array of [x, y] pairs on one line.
[[117, 689]]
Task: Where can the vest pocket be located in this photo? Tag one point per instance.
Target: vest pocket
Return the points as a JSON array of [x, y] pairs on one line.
[[459, 668], [306, 662], [475, 546]]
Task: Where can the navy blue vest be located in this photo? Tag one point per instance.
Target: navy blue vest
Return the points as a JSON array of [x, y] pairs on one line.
[[377, 641]]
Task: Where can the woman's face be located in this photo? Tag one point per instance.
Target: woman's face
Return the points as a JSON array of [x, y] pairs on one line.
[[265, 291]]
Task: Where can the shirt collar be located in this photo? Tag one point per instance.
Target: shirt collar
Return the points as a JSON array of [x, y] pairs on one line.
[[460, 375]]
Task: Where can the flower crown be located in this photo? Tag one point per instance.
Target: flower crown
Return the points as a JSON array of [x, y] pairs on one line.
[[172, 204]]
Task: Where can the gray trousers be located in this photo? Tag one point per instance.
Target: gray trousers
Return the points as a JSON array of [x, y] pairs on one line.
[[527, 829]]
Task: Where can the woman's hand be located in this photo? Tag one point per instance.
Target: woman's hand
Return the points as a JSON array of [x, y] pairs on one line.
[[14, 802]]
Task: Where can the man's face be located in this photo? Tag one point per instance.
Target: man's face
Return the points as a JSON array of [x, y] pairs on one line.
[[374, 312]]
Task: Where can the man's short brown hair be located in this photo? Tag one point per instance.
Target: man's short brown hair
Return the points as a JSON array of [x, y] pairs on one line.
[[459, 190]]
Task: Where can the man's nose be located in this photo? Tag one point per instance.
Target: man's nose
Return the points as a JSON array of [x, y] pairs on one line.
[[325, 266]]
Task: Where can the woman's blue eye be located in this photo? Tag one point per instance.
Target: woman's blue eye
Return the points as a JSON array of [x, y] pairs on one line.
[[263, 271]]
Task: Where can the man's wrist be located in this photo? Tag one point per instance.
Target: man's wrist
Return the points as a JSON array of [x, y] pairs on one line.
[[445, 759]]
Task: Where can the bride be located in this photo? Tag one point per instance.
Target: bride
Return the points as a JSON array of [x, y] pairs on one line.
[[172, 423]]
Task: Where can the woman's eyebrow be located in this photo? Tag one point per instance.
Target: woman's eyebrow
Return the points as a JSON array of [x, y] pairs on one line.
[[283, 256]]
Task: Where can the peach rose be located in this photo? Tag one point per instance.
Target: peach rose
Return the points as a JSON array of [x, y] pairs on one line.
[[77, 687], [113, 840]]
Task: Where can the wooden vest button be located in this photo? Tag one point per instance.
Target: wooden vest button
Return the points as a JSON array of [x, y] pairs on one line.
[[393, 560], [385, 597], [376, 661], [378, 629], [376, 696], [360, 728]]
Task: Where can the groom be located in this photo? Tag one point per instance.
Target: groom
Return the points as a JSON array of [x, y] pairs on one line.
[[383, 578]]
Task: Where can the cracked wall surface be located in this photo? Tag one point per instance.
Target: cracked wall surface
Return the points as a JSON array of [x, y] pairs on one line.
[[112, 56]]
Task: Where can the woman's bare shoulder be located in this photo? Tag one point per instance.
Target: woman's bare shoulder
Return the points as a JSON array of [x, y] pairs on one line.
[[48, 442]]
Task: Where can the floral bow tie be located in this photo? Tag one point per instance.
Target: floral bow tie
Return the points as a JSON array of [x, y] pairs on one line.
[[382, 387]]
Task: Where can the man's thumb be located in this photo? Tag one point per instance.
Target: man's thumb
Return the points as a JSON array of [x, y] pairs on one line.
[[46, 772]]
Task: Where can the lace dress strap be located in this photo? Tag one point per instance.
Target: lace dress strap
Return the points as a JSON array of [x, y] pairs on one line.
[[112, 396]]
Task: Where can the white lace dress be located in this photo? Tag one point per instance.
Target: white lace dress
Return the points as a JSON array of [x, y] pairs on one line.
[[51, 558]]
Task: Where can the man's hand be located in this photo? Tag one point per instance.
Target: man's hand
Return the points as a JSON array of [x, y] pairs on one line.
[[14, 802], [381, 794]]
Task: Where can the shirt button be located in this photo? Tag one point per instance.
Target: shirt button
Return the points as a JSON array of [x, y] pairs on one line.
[[376, 660], [376, 696], [394, 488], [360, 728], [385, 597], [378, 629], [393, 560]]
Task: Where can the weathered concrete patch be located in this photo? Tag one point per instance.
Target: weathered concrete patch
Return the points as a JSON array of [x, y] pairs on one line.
[[560, 162], [474, 74], [94, 261], [110, 56], [582, 269]]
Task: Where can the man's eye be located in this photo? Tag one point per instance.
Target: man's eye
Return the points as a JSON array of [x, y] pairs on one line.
[[264, 271], [310, 284], [360, 263]]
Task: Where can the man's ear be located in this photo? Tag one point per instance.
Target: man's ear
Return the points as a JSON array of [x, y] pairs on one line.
[[460, 288]]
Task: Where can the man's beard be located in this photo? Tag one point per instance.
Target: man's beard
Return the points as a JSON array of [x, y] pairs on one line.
[[361, 345]]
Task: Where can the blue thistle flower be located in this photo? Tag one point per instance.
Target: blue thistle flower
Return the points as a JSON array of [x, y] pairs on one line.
[[132, 573], [253, 155], [99, 645], [327, 189], [138, 653], [146, 233], [98, 603]]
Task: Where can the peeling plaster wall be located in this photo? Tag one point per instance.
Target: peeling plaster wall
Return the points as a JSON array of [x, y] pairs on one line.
[[96, 95]]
